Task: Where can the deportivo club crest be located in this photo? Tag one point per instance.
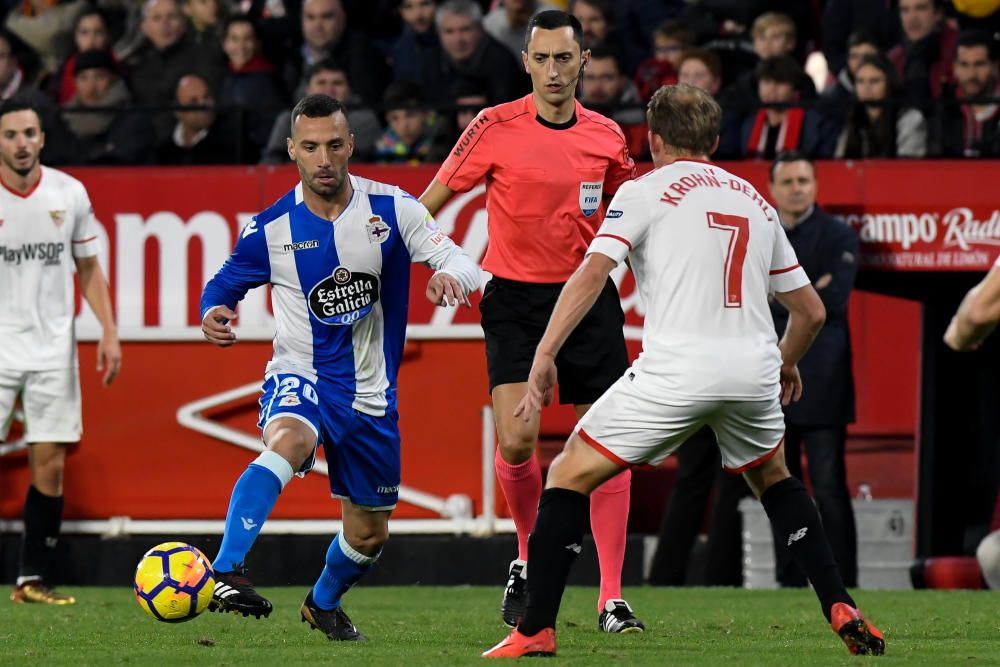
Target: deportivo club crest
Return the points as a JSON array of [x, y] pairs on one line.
[[378, 231], [58, 217], [590, 197]]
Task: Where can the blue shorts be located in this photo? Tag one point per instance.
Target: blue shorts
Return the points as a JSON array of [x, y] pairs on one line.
[[362, 451]]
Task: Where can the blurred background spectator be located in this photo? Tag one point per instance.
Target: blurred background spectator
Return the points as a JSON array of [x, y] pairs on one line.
[[252, 81], [605, 88], [468, 98], [876, 125], [923, 60], [961, 127], [670, 40], [418, 48], [837, 98], [327, 77], [410, 134], [202, 136], [90, 33], [113, 135]]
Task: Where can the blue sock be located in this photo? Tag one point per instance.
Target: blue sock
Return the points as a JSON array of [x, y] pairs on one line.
[[254, 496], [344, 566]]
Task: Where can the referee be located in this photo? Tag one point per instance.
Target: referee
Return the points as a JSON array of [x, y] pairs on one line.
[[549, 164]]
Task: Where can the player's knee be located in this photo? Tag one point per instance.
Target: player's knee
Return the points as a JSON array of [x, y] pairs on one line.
[[767, 474], [516, 447], [292, 444], [368, 539], [48, 475]]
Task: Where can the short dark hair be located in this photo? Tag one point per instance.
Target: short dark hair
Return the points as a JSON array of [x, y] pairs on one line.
[[685, 117], [403, 94], [90, 10], [553, 19], [679, 31], [327, 65], [240, 18], [706, 56], [317, 106], [790, 156], [604, 52], [970, 38], [863, 35], [783, 69], [17, 103]]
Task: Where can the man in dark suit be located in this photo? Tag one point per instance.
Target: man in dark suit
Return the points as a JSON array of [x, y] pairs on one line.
[[827, 249]]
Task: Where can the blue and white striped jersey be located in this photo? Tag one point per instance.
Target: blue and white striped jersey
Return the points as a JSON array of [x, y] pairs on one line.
[[340, 289]]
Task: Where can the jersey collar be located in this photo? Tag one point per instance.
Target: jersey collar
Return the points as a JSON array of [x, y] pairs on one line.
[[24, 195]]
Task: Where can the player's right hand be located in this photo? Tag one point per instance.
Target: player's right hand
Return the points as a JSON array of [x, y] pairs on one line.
[[216, 327], [541, 383], [791, 384]]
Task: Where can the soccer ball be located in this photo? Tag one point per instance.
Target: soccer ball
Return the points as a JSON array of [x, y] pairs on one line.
[[174, 582]]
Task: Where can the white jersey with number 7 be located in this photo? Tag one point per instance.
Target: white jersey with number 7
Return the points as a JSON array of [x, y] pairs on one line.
[[706, 250]]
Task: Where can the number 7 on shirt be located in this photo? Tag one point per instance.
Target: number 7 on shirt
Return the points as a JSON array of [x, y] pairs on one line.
[[738, 228]]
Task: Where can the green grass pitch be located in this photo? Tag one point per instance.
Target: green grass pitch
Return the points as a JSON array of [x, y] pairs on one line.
[[445, 626]]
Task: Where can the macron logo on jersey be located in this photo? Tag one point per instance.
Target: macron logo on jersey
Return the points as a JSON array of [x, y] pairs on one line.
[[250, 229]]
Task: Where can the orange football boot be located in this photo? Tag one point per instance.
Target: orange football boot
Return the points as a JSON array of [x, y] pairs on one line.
[[861, 637], [517, 645]]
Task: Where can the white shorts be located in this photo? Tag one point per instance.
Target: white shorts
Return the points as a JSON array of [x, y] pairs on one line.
[[632, 427], [51, 403]]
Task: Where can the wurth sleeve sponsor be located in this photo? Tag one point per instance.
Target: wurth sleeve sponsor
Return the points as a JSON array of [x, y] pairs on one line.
[[85, 239], [785, 275], [625, 225], [471, 157], [248, 266], [427, 244]]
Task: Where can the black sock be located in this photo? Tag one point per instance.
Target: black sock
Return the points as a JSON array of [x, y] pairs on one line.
[[42, 520], [552, 548], [796, 520]]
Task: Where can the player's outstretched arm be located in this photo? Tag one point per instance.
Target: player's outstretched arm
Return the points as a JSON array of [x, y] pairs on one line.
[[215, 326], [436, 196], [806, 315], [575, 301], [977, 316], [95, 290]]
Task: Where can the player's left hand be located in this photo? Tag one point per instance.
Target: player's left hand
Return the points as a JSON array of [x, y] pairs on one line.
[[109, 357], [791, 384], [444, 290], [541, 382]]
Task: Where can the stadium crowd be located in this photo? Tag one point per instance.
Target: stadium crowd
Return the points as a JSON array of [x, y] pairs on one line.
[[211, 81]]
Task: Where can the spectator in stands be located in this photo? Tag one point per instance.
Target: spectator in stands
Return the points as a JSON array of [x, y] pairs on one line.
[[203, 25], [773, 36], [468, 98], [635, 24], [46, 27], [923, 61], [165, 55], [202, 136], [506, 23], [961, 129], [326, 33], [410, 134], [878, 126], [328, 77], [827, 249], [837, 99], [842, 18], [467, 51], [418, 47], [773, 130], [670, 40], [700, 68], [598, 20], [605, 88], [252, 82], [89, 34], [118, 137]]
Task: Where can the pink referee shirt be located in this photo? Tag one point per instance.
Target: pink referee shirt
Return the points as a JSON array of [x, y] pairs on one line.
[[544, 185]]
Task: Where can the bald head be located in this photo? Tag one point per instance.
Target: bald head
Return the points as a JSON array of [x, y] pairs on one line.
[[193, 91]]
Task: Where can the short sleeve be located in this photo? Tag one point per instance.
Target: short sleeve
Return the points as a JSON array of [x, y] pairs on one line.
[[785, 275], [625, 224], [621, 168], [471, 158], [85, 238]]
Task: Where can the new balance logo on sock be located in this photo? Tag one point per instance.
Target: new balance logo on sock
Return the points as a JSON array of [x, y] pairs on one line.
[[797, 535], [51, 542], [575, 548], [248, 524]]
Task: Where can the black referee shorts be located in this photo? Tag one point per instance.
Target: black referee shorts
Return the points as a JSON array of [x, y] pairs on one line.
[[514, 317]]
